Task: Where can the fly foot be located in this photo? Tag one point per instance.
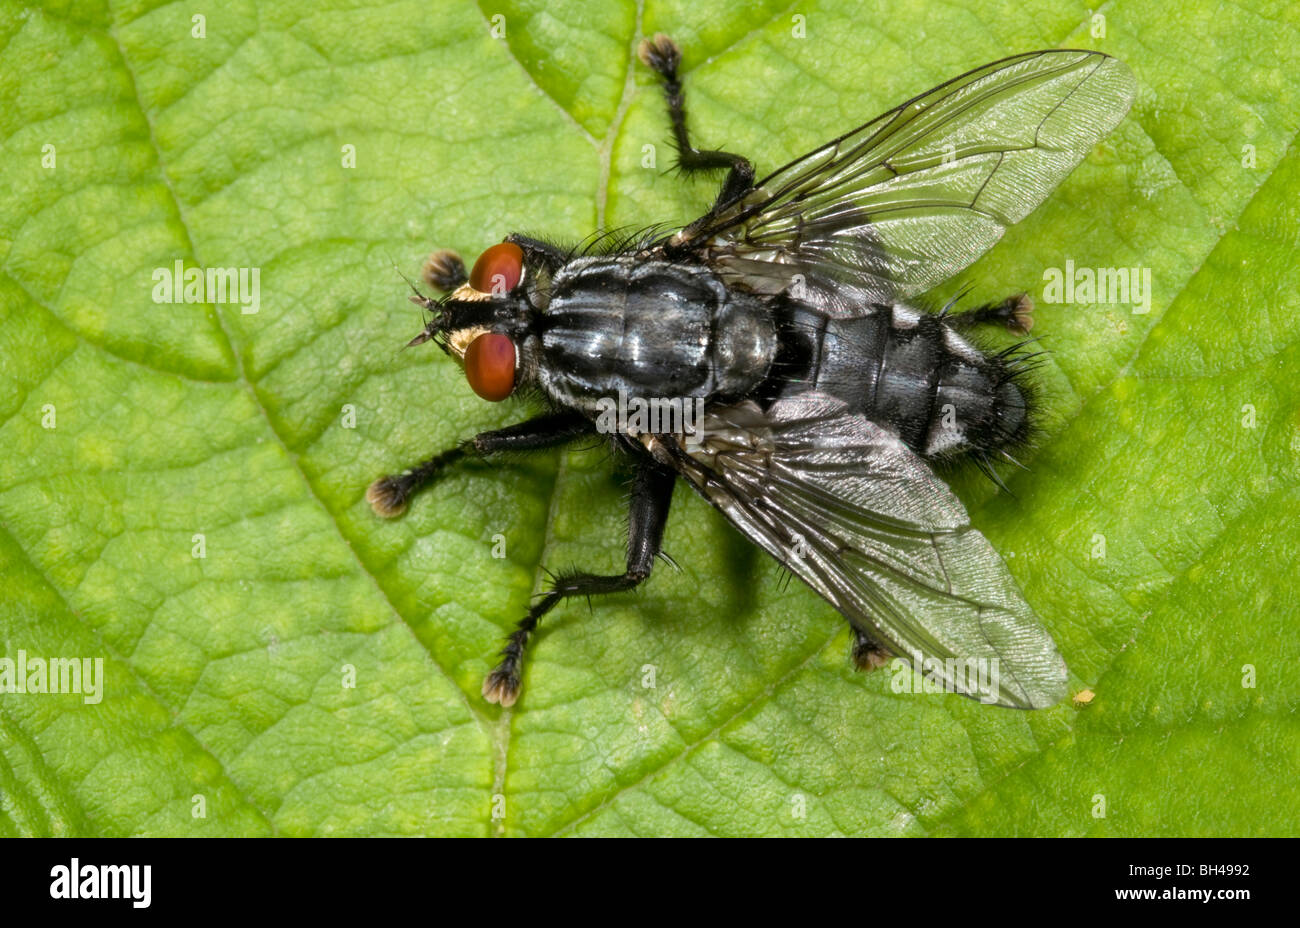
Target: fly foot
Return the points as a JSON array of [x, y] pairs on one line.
[[661, 54], [867, 655]]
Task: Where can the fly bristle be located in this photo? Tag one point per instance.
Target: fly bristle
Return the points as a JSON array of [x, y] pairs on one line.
[[986, 467], [1013, 349], [1007, 456], [668, 559], [957, 297], [620, 240], [1014, 366]]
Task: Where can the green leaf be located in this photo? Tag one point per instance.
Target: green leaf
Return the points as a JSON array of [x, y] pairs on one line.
[[130, 428]]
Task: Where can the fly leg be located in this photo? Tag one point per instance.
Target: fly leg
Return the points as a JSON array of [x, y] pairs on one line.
[[652, 494], [389, 494], [663, 55], [1015, 313], [867, 654]]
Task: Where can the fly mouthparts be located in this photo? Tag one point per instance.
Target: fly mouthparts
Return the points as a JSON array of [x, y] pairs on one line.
[[432, 327], [430, 332]]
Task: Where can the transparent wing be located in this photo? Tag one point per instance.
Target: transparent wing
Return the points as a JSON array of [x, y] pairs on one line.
[[899, 205], [851, 510]]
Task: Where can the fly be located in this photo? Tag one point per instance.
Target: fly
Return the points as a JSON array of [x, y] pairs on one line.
[[786, 316]]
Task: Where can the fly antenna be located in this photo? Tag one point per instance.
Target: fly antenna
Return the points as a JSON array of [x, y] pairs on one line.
[[430, 329], [418, 298]]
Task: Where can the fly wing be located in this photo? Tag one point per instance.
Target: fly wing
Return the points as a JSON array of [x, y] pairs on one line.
[[851, 510], [906, 201]]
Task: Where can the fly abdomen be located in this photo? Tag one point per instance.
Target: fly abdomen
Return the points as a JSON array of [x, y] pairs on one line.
[[908, 371], [911, 373], [977, 407]]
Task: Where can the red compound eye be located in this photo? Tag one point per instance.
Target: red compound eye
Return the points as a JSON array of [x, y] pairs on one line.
[[498, 269], [490, 366]]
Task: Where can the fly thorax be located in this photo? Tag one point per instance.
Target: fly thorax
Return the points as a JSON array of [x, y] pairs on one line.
[[625, 329]]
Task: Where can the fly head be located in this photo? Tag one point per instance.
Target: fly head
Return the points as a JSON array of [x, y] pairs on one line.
[[487, 320]]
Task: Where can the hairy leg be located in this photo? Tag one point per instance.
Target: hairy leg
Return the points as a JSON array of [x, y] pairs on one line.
[[662, 55], [389, 495], [867, 655], [1015, 313], [652, 494]]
